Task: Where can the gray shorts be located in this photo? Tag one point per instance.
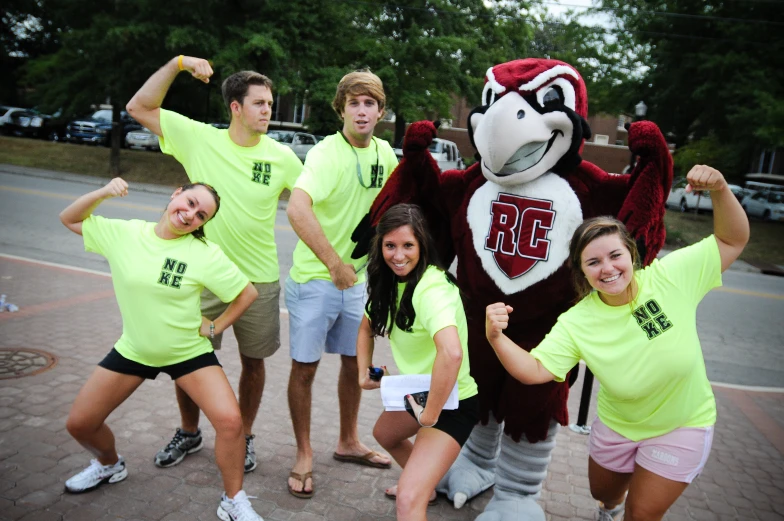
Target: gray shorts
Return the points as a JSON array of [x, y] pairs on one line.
[[323, 318], [258, 329]]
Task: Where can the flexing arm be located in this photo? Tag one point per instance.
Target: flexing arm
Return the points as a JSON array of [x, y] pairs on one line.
[[82, 208], [145, 106], [518, 362], [730, 223], [307, 228], [365, 345], [449, 356], [234, 311]]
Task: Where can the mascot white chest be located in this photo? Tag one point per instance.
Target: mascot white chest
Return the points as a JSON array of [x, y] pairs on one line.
[[521, 234]]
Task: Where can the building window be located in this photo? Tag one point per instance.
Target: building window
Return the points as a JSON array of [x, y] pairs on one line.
[[601, 139]]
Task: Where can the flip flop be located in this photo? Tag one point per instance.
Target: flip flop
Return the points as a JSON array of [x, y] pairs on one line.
[[391, 495], [302, 494], [362, 460]]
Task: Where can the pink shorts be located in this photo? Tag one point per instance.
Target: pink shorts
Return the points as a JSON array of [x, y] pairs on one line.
[[679, 455]]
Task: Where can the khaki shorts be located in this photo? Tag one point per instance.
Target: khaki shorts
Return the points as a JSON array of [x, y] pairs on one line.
[[258, 329]]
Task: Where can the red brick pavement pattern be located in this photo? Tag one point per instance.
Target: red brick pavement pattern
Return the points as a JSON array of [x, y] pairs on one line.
[[73, 315]]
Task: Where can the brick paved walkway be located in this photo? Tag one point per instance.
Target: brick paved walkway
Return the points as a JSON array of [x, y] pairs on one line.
[[73, 315]]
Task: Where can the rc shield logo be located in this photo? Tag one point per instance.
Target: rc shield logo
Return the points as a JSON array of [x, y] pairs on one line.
[[518, 232]]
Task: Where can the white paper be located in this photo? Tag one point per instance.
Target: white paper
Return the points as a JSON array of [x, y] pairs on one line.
[[395, 388]]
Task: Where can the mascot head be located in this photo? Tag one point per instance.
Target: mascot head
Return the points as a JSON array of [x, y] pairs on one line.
[[532, 120]]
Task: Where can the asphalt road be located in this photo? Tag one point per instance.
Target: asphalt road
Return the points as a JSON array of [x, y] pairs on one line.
[[741, 324]]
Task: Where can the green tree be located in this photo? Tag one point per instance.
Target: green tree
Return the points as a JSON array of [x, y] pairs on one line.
[[714, 68], [427, 52]]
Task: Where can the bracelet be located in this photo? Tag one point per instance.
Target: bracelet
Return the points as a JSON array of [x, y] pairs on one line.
[[179, 63], [212, 330], [419, 421]]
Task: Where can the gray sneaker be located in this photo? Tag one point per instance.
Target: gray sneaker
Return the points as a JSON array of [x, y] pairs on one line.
[[182, 444], [250, 453]]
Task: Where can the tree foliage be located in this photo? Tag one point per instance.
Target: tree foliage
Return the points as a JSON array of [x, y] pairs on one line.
[[715, 70], [78, 54]]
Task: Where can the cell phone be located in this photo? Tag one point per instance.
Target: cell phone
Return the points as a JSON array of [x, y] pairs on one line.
[[376, 373], [420, 398]]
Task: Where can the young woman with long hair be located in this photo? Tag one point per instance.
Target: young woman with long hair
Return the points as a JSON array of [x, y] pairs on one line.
[[636, 330], [414, 301]]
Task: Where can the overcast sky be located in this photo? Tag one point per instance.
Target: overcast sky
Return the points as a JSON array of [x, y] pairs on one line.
[[557, 7]]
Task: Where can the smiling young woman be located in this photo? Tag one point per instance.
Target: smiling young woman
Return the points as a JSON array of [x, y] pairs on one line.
[[636, 330], [414, 301], [159, 271]]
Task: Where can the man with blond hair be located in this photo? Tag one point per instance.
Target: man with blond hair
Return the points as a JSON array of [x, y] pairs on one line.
[[325, 291]]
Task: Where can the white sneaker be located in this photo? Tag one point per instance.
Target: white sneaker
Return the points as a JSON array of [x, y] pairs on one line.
[[237, 509], [616, 514], [96, 475]]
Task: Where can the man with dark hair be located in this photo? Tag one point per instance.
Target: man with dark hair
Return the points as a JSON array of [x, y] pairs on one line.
[[325, 291], [249, 171]]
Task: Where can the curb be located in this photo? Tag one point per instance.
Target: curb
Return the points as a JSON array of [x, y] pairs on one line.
[[6, 168]]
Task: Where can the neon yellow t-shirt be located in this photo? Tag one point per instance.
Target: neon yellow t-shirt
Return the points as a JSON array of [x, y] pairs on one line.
[[339, 201], [158, 285], [649, 362], [438, 305], [249, 181]]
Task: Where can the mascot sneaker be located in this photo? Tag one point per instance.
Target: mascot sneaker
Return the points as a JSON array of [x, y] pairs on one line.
[[96, 475], [237, 509], [182, 444]]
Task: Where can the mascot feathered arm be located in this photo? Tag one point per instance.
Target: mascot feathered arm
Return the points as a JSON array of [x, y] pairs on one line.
[[643, 209], [415, 181]]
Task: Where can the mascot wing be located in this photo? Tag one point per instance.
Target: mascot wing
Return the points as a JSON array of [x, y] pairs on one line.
[[643, 209], [416, 180]]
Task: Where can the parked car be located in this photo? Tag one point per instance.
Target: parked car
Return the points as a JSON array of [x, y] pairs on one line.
[[6, 113], [299, 142], [700, 200], [31, 123], [97, 128], [24, 123], [444, 152], [765, 204], [143, 139]]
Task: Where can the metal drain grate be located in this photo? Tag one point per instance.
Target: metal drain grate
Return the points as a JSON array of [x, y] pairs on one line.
[[16, 362]]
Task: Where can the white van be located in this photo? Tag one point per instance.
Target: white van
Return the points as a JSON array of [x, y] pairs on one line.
[[444, 152]]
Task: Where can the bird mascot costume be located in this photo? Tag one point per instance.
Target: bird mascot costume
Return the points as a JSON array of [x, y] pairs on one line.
[[508, 219]]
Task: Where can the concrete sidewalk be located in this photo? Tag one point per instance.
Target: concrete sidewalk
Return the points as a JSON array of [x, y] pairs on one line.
[[72, 315]]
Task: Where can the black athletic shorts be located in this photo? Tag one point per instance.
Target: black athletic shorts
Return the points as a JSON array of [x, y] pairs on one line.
[[459, 422], [116, 362]]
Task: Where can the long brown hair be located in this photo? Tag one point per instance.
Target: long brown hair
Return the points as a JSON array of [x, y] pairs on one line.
[[587, 232], [382, 283]]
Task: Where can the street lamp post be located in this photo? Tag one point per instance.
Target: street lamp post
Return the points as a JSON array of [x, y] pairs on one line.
[[640, 110]]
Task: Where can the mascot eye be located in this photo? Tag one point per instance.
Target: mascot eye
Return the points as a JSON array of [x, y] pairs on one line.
[[488, 96], [520, 114], [552, 97]]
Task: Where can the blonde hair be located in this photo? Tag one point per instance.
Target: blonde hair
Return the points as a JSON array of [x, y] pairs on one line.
[[359, 83], [587, 232]]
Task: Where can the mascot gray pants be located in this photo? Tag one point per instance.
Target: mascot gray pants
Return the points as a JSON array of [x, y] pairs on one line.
[[517, 470]]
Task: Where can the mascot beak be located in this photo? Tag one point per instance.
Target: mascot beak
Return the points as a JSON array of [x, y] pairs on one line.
[[517, 143]]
